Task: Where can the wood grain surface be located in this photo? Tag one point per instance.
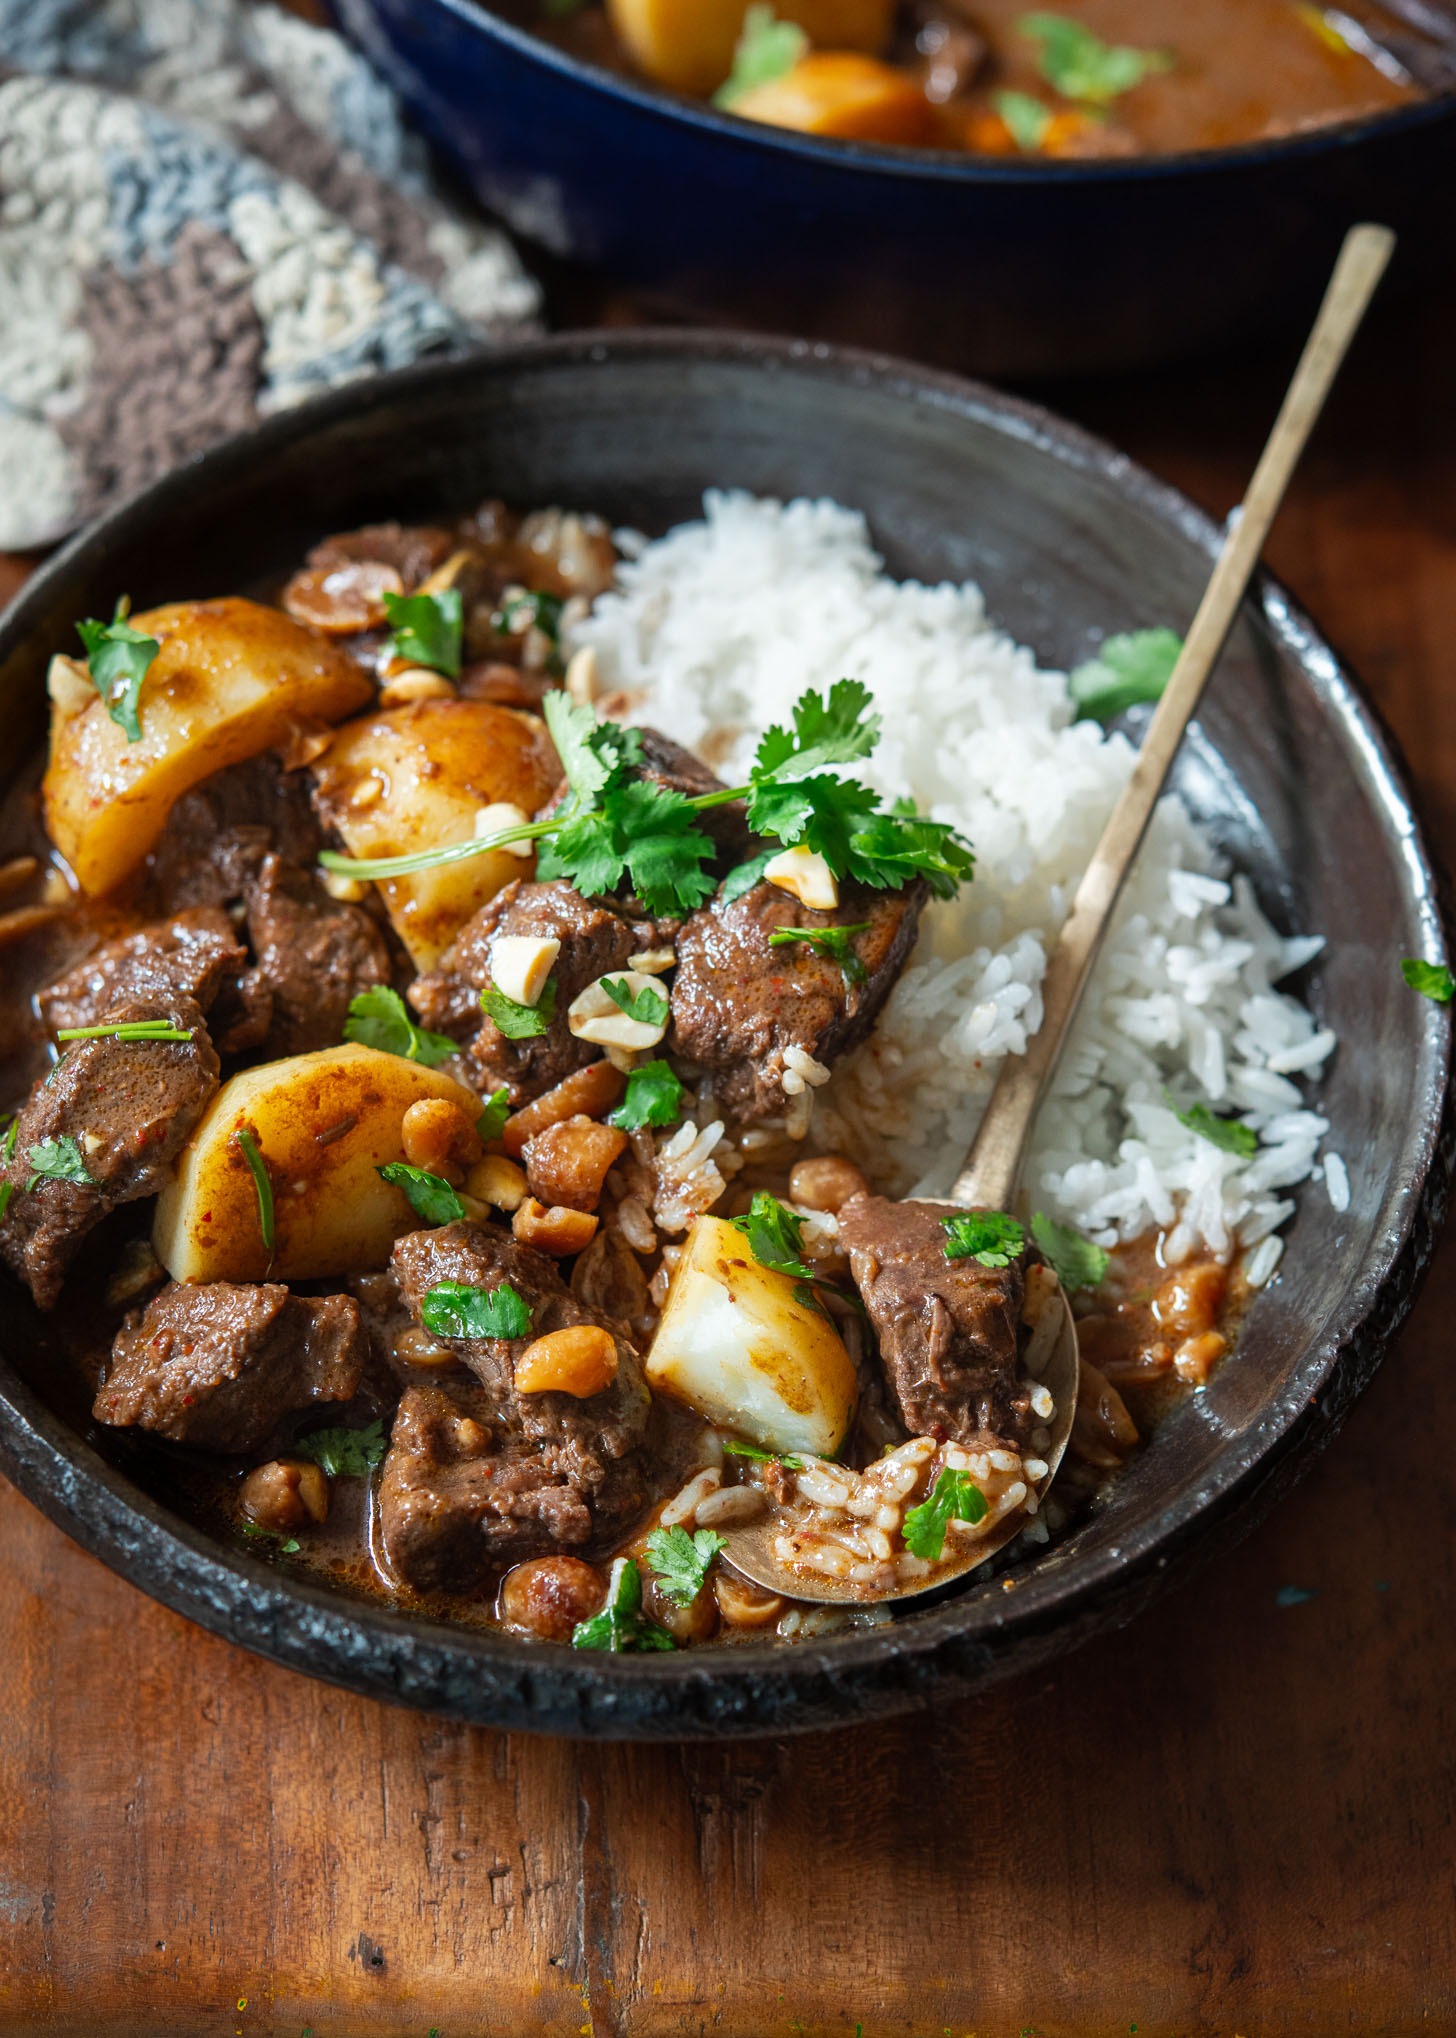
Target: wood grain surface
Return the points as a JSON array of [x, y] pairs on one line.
[[1235, 1816]]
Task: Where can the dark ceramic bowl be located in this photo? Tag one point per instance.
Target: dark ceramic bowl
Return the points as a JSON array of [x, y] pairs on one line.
[[1005, 267], [1288, 765]]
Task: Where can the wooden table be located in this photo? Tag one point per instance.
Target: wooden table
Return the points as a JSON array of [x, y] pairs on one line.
[[1236, 1816]]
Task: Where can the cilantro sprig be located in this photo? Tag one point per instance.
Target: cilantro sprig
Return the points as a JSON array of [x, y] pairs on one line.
[[620, 1624], [517, 1021], [1080, 65], [775, 1235], [427, 629], [58, 1160], [992, 1238], [492, 1121], [767, 49], [680, 1562], [255, 1531], [430, 1196], [653, 1097], [262, 1187], [7, 1154], [1075, 1261], [1229, 1135], [614, 829], [379, 1018], [738, 1449], [1027, 120], [119, 657], [456, 1309], [1432, 979], [834, 942], [1129, 668], [344, 1453], [955, 1496], [527, 609], [647, 1006]]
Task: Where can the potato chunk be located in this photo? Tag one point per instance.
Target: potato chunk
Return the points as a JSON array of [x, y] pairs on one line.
[[853, 98], [689, 44], [737, 1345], [323, 1124], [231, 678], [415, 777]]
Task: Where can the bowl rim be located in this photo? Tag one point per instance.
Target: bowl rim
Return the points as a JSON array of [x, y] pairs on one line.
[[491, 1678], [939, 165]]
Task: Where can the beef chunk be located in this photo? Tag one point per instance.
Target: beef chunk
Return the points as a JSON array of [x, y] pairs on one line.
[[949, 1330], [217, 836], [595, 939], [190, 957], [313, 954], [738, 1002], [219, 1365], [130, 1105], [484, 1476]]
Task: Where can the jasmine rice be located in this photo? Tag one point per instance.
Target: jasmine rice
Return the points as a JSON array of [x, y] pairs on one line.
[[713, 630]]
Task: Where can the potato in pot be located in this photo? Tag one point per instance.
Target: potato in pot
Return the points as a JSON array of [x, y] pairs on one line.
[[322, 1125], [231, 678], [416, 777], [689, 44], [742, 1346]]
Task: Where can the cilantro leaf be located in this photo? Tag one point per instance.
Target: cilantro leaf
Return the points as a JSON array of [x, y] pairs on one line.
[[427, 629], [1432, 979], [835, 942], [1230, 1135], [1133, 666], [899, 846], [247, 1146], [7, 1154], [787, 1459], [492, 1120], [1075, 1261], [663, 846], [289, 1545], [832, 728], [520, 1022], [653, 1097], [118, 658], [1080, 65], [767, 49], [430, 1196], [954, 1497], [822, 811], [344, 1453], [647, 1006], [680, 1561], [58, 1160], [455, 1309], [532, 608], [594, 754], [745, 876], [379, 1018], [620, 1624], [1026, 119], [775, 1235], [990, 1237], [128, 1029]]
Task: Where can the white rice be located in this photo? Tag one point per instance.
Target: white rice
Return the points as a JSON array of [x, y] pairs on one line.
[[714, 631]]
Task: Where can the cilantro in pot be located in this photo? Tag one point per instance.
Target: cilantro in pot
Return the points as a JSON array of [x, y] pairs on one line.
[[680, 1562], [992, 1238], [427, 629], [954, 1497], [119, 657], [430, 1196], [455, 1309], [620, 1625], [380, 1019]]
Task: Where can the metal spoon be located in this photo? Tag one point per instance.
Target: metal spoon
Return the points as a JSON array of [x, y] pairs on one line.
[[993, 1168]]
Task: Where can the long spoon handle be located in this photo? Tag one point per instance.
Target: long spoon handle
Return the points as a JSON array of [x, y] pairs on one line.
[[993, 1166]]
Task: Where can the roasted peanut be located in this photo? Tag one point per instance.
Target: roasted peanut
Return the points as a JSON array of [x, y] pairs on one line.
[[438, 1135], [567, 1163], [558, 1231], [548, 1596], [416, 1347], [695, 1622], [590, 1091], [742, 1603], [580, 1360], [826, 1182], [285, 1494], [497, 1181], [342, 599], [414, 683]]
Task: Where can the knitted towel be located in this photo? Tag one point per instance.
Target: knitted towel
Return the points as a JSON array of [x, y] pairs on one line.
[[208, 211]]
